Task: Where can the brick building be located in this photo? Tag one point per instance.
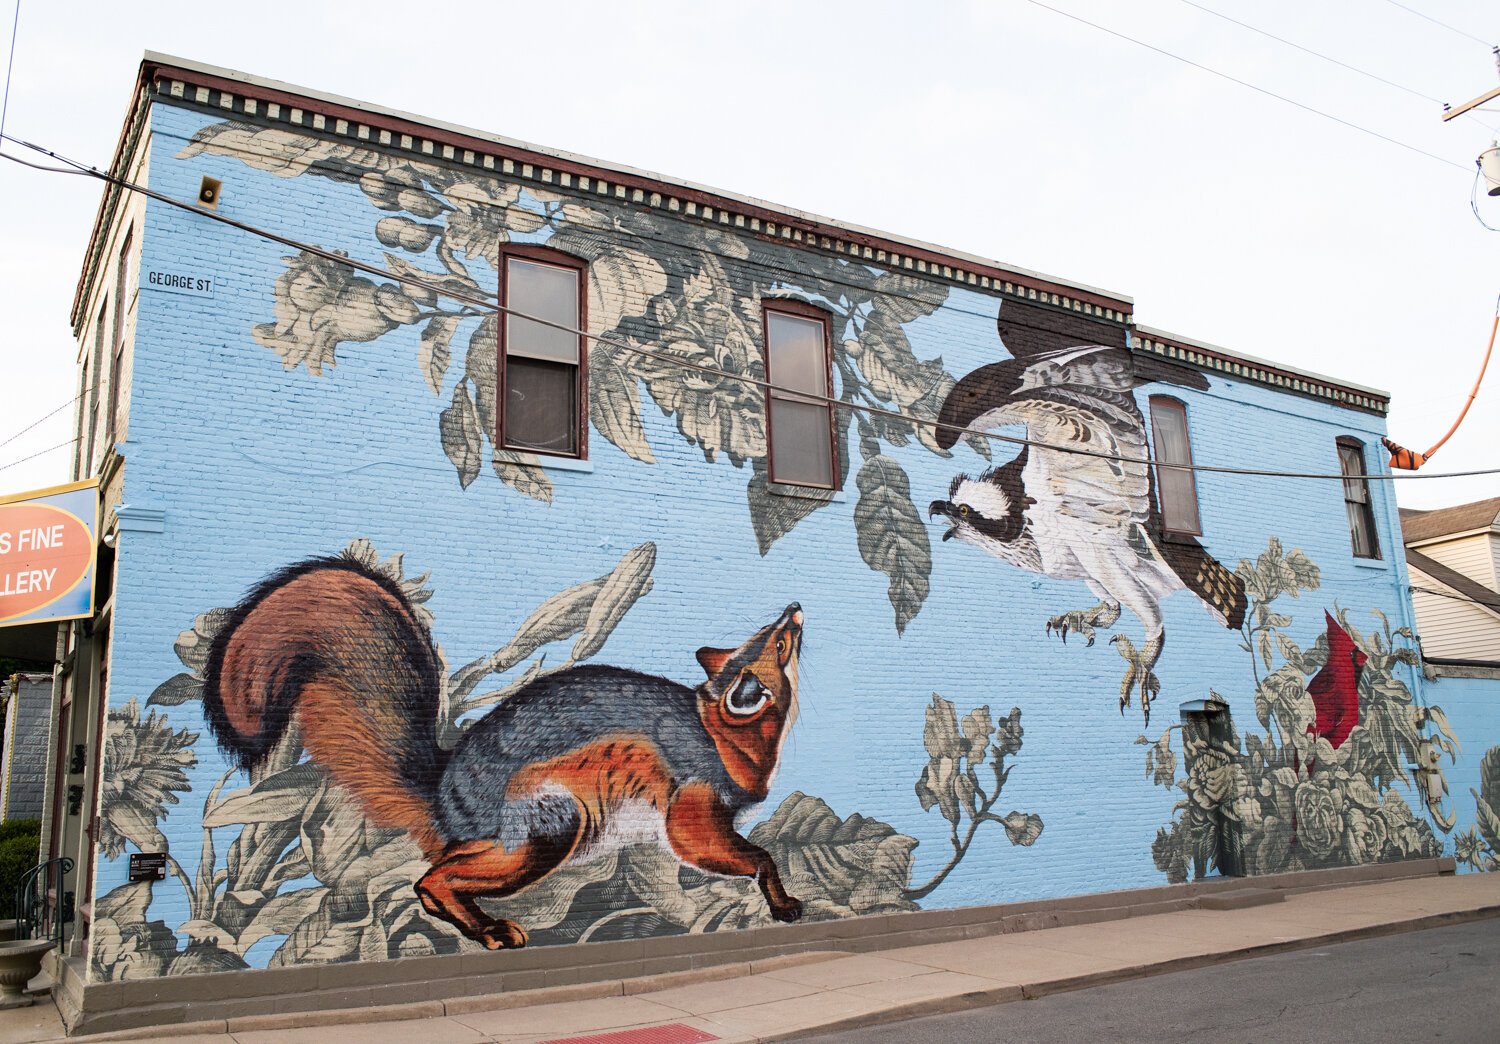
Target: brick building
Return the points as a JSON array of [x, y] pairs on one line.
[[602, 435]]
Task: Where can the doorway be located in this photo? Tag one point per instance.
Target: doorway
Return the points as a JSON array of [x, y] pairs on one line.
[[1210, 747]]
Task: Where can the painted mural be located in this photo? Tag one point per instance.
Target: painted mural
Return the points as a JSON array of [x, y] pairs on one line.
[[1079, 502], [375, 803], [1478, 847], [688, 294], [575, 802], [1320, 784]]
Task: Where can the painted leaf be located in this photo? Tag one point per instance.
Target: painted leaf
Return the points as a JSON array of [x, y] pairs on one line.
[[772, 516], [175, 691], [480, 368], [546, 903], [621, 283], [940, 733], [305, 938], [627, 584], [892, 539], [615, 401], [522, 472], [560, 616], [281, 916], [459, 427], [283, 153], [284, 796], [435, 350], [859, 864], [1487, 799]]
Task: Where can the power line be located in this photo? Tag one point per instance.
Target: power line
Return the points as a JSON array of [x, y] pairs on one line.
[[1246, 83], [491, 307], [39, 453], [1315, 54], [1445, 25], [1492, 606], [34, 423]]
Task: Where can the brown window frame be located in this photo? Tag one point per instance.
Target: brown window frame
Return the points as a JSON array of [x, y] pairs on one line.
[[1169, 403], [96, 364], [122, 286], [1367, 505], [802, 310], [547, 256]]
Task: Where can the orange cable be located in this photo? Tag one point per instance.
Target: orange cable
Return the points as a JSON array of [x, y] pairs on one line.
[[1410, 460]]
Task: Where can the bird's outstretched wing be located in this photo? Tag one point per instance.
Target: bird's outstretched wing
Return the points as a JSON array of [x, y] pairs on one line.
[[1075, 399]]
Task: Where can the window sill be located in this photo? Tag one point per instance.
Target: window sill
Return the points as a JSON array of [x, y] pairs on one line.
[[783, 489], [585, 467], [525, 459], [1372, 563]]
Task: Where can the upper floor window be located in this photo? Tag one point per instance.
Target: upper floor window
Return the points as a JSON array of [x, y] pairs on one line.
[[1176, 488], [1357, 499], [800, 418], [542, 367]]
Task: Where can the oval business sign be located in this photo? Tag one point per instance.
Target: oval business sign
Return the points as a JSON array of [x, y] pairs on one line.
[[44, 553]]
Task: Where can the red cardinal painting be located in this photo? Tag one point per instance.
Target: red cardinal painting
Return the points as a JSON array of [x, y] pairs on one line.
[[1335, 689]]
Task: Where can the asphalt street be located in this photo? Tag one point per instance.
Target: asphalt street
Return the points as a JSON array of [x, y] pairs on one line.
[[1442, 984]]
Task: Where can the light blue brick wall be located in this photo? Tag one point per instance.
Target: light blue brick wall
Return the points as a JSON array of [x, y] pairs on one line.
[[258, 465]]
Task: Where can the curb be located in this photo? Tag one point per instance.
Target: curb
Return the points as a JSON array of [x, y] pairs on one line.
[[1032, 991], [465, 1005]]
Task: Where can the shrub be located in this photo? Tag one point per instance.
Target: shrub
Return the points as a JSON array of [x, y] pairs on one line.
[[17, 827], [19, 852]]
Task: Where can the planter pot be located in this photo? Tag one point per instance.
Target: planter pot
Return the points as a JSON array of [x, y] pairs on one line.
[[20, 962], [8, 929]]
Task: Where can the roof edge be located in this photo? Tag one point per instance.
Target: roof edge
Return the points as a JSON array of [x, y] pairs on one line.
[[1263, 371], [155, 60]]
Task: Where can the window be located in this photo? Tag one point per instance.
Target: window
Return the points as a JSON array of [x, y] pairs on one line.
[[1357, 499], [82, 415], [122, 302], [799, 426], [541, 379], [91, 413], [1176, 489]]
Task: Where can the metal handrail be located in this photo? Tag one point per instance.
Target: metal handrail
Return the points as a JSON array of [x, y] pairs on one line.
[[32, 907]]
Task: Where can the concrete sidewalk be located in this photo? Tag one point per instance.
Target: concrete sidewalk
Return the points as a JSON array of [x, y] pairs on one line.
[[816, 992]]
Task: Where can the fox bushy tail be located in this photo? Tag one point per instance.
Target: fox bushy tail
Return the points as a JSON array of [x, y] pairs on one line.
[[337, 648]]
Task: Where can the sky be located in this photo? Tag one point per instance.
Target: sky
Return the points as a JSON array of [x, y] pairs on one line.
[[995, 127]]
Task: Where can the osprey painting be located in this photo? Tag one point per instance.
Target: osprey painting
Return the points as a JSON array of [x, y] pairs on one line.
[[1079, 502]]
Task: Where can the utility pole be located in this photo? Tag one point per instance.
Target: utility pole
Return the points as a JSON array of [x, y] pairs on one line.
[[1489, 159], [1453, 111]]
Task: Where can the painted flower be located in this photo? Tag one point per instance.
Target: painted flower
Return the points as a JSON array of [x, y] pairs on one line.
[[1364, 836], [146, 763], [1319, 825], [718, 414], [1211, 779], [484, 215], [136, 950], [321, 304], [1250, 814], [1008, 733]]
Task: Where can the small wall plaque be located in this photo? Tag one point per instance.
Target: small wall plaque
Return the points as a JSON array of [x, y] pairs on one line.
[[148, 866]]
